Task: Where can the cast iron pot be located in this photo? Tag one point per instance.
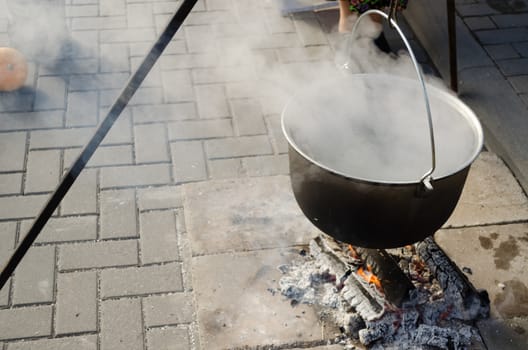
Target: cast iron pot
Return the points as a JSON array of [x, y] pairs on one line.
[[374, 176]]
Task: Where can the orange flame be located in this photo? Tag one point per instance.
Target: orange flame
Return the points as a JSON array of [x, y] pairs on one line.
[[368, 276], [353, 252]]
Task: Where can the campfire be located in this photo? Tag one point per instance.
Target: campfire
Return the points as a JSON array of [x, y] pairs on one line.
[[402, 298]]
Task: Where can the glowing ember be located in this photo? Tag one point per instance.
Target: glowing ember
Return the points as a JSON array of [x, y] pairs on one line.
[[353, 252], [368, 276]]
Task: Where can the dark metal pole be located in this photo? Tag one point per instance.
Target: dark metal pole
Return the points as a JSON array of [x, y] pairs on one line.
[[115, 110], [451, 29]]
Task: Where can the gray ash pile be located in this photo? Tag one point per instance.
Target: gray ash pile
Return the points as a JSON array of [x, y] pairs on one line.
[[427, 304]]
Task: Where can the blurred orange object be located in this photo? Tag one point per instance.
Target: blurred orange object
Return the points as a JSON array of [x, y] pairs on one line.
[[13, 69]]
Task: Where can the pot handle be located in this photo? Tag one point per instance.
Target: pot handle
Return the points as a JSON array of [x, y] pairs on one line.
[[426, 179]]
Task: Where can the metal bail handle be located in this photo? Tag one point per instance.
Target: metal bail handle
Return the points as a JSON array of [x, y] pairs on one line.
[[426, 179]]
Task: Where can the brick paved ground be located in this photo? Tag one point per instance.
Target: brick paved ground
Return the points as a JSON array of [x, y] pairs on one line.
[[111, 268]]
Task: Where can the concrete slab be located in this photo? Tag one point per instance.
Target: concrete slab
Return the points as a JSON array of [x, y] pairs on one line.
[[244, 214], [491, 195], [235, 308], [497, 256]]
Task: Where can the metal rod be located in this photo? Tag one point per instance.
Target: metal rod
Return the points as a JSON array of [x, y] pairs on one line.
[[115, 110], [451, 30]]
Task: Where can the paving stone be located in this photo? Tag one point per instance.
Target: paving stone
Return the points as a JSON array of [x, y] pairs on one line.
[[147, 95], [222, 75], [25, 322], [511, 20], [241, 30], [199, 39], [238, 147], [84, 82], [310, 31], [225, 168], [514, 66], [127, 36], [82, 342], [76, 306], [177, 86], [522, 48], [159, 241], [103, 156], [138, 175], [98, 254], [82, 196], [140, 15], [60, 138], [67, 67], [121, 326], [17, 101], [165, 7], [7, 237], [491, 195], [237, 310], [81, 11], [247, 115], [188, 159], [267, 165], [479, 23], [502, 36], [12, 151], [168, 338], [112, 7], [118, 214], [242, 89], [87, 23], [212, 102], [11, 183], [43, 171], [35, 276], [501, 52], [82, 109], [31, 120], [276, 41], [311, 53], [261, 213], [161, 310], [141, 280], [188, 61], [519, 83], [85, 44], [153, 78], [114, 58], [65, 229], [164, 112], [151, 143], [496, 255], [21, 207], [200, 129], [165, 197], [479, 9], [279, 141]]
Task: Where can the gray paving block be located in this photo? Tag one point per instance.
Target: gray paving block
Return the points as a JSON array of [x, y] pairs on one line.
[[85, 82], [98, 254], [242, 89], [511, 20], [103, 156], [143, 280], [164, 112], [67, 67], [127, 36], [118, 214], [121, 326], [501, 52], [139, 15], [267, 165], [522, 48], [60, 138], [82, 109], [299, 54], [519, 83], [121, 131], [212, 101], [112, 7], [147, 95], [225, 168], [21, 207], [238, 147], [188, 161], [114, 58], [151, 143], [7, 237], [85, 44], [491, 195], [153, 78], [512, 67], [81, 10], [25, 322], [81, 342], [177, 86], [165, 7], [199, 39], [222, 74], [247, 116], [35, 276], [168, 338], [502, 36], [11, 183], [310, 31], [279, 141], [261, 213], [51, 93], [158, 238], [477, 9], [31, 120], [276, 41], [164, 197], [64, 229], [12, 151], [200, 129], [91, 23], [173, 309], [82, 196], [188, 61], [43, 171], [138, 175], [76, 305], [236, 310], [197, 18]]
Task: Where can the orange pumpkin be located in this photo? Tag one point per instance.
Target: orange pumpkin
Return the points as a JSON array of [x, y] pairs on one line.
[[13, 69]]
